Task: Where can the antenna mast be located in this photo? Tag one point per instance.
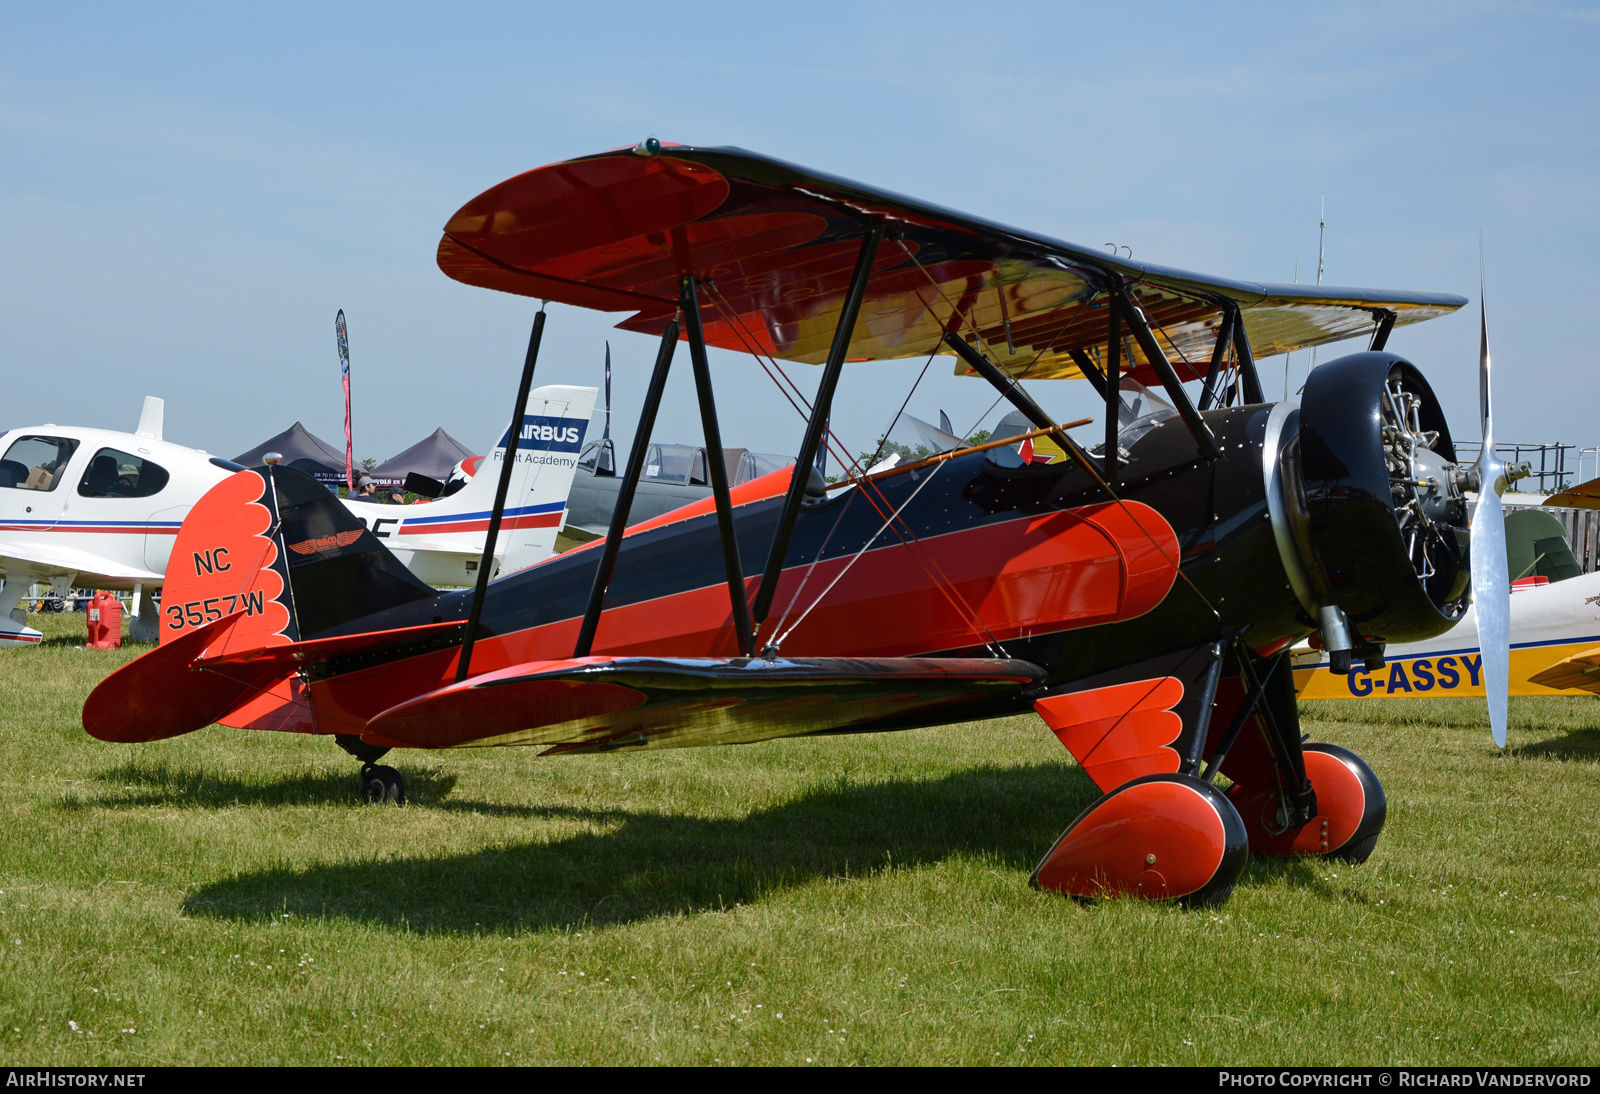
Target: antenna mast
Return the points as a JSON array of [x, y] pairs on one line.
[[1322, 225], [1290, 353]]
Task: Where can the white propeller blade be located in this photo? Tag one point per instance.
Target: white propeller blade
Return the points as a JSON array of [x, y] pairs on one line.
[[1491, 583]]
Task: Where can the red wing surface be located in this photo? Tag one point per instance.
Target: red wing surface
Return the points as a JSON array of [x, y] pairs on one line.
[[777, 244], [605, 704]]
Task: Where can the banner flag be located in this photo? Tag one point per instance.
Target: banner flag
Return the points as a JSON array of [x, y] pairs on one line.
[[344, 379]]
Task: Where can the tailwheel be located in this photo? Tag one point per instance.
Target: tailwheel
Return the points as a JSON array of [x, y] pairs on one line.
[[1160, 837], [380, 784], [1350, 809]]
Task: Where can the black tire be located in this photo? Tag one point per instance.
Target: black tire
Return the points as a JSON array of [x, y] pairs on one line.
[[382, 785], [1212, 896], [1375, 807], [1356, 851]]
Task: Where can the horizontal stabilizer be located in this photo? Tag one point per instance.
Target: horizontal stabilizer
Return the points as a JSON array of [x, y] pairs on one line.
[[204, 675], [605, 703], [326, 649], [162, 694], [1586, 495], [1580, 672]]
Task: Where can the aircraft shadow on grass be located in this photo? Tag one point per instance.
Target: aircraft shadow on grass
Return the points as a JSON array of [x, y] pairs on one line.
[[1580, 745], [141, 785], [649, 865]]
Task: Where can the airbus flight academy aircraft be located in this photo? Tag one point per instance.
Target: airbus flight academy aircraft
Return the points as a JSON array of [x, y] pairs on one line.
[[93, 508], [441, 541], [1140, 600]]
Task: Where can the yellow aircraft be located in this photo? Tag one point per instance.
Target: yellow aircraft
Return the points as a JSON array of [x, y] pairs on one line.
[[1555, 633]]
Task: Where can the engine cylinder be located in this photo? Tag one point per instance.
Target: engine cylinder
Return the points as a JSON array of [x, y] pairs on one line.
[[1377, 498]]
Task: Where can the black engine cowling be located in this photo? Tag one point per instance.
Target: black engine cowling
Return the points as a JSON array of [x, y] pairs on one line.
[[1375, 499]]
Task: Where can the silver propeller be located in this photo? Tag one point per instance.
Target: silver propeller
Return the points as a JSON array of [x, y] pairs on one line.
[[1491, 583]]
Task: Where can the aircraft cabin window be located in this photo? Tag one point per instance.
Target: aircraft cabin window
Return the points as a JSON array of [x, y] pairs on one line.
[[698, 476], [1140, 409], [36, 463], [599, 458], [669, 463], [753, 465], [114, 474]]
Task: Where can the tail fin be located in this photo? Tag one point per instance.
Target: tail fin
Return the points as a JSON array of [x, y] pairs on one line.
[[274, 544], [552, 432]]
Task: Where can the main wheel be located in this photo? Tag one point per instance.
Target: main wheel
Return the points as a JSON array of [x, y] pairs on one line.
[[381, 784], [1351, 809], [1160, 837]]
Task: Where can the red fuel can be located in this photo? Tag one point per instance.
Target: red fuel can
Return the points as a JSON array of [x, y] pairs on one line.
[[105, 621]]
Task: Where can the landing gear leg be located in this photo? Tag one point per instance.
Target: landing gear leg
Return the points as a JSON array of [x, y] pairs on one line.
[[14, 629], [379, 784], [1300, 798], [1351, 810]]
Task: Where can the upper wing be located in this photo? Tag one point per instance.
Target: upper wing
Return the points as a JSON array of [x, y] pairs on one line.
[[777, 244], [604, 703], [62, 559], [1586, 495]]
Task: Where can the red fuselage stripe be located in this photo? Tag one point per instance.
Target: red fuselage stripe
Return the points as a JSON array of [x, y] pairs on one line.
[[108, 530], [537, 520]]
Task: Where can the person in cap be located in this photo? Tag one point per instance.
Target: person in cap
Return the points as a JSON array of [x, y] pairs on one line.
[[366, 489]]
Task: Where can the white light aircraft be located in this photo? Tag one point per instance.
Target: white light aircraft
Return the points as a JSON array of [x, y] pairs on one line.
[[94, 508]]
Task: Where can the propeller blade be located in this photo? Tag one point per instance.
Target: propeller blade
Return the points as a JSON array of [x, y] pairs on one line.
[[1491, 583], [1485, 404], [1491, 597], [607, 435]]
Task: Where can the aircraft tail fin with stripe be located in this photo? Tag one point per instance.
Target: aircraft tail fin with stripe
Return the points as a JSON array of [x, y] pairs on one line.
[[552, 431]]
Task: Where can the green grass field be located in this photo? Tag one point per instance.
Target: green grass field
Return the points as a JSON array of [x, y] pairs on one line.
[[221, 899]]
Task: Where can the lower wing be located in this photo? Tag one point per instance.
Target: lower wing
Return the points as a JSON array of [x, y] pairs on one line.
[[604, 704]]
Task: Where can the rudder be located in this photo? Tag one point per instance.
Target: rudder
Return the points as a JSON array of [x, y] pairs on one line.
[[274, 544]]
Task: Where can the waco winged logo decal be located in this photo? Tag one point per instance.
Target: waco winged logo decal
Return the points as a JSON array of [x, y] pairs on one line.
[[326, 543]]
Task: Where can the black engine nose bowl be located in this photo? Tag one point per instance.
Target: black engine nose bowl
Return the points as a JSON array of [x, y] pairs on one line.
[[1379, 498]]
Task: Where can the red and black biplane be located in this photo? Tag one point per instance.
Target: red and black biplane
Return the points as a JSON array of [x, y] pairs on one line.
[[1138, 594]]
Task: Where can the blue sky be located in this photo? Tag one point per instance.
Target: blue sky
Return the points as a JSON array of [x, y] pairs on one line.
[[189, 193]]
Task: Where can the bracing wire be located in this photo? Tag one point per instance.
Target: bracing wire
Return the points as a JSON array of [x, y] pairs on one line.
[[870, 490], [845, 569], [955, 319]]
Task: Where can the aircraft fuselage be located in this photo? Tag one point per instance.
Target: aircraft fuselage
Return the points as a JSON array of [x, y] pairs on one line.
[[1033, 561]]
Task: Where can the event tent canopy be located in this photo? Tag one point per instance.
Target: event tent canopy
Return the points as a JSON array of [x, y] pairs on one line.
[[302, 451], [434, 456]]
